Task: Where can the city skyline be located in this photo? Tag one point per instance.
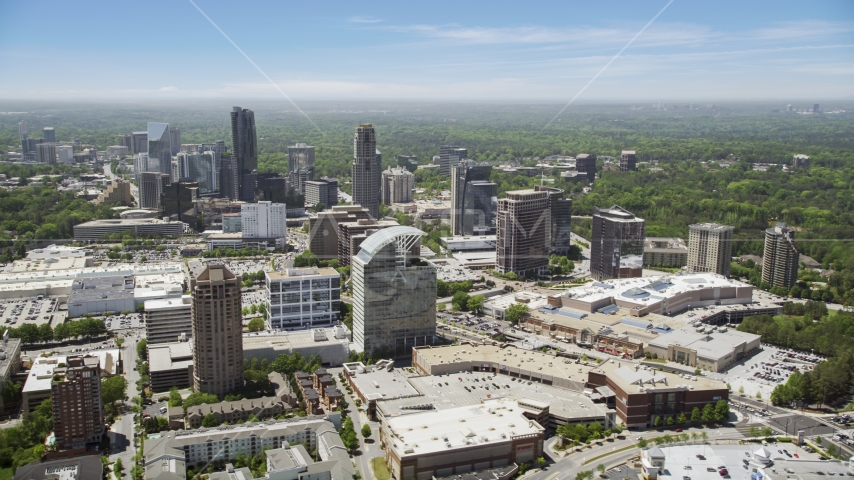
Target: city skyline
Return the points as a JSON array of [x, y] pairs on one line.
[[540, 52]]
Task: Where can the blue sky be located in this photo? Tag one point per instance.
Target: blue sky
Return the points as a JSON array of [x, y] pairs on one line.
[[445, 51]]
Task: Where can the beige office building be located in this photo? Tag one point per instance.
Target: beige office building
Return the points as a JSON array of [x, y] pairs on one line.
[[709, 248], [524, 232], [217, 331]]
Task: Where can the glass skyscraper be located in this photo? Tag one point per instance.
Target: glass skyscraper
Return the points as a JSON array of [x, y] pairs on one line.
[[244, 146], [394, 294], [159, 148]]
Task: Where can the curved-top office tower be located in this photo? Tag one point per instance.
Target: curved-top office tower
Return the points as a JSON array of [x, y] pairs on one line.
[[394, 293]]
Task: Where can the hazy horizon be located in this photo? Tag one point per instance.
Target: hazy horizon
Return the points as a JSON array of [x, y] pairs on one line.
[[446, 52]]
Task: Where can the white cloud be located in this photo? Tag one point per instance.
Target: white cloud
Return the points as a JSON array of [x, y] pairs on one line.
[[169, 89], [364, 19]]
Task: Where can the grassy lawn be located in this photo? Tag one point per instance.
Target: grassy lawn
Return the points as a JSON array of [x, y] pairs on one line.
[[379, 467], [656, 360], [6, 473]]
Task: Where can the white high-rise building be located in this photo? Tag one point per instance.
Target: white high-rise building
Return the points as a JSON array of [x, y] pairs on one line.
[[303, 298], [65, 153], [265, 220]]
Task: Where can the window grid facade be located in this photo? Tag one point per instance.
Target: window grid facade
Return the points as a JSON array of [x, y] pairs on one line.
[[303, 298]]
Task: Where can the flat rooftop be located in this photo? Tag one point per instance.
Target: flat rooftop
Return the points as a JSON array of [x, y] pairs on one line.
[[381, 384], [542, 363], [136, 269], [495, 421], [631, 376], [170, 356], [295, 338], [641, 290], [41, 372], [449, 391], [707, 345], [168, 303], [125, 222], [296, 273], [529, 299], [733, 456]]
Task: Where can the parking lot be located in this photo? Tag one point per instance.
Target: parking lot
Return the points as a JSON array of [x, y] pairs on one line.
[[14, 313], [124, 322], [765, 370], [483, 325]]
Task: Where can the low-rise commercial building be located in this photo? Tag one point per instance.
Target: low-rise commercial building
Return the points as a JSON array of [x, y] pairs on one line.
[[302, 298], [238, 241], [665, 252], [170, 365], [705, 347], [168, 320], [330, 344], [460, 440], [663, 295], [469, 243], [87, 467], [641, 394], [141, 227], [379, 381]]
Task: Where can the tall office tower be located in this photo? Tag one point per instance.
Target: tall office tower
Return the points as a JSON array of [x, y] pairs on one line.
[[450, 156], [23, 134], [244, 147], [561, 219], [366, 169], [299, 177], [150, 188], [78, 412], [65, 153], [801, 161], [200, 168], [616, 249], [273, 187], [49, 135], [217, 331], [178, 199], [228, 186], [140, 164], [265, 220], [175, 138], [159, 148], [379, 173], [300, 156], [473, 199], [780, 259], [396, 185], [46, 153], [628, 161], [394, 294], [524, 232], [323, 191], [586, 163], [323, 232], [815, 108], [709, 248], [126, 141], [140, 142]]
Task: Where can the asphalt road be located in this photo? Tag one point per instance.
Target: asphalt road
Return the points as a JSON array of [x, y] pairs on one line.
[[367, 449], [121, 432]]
